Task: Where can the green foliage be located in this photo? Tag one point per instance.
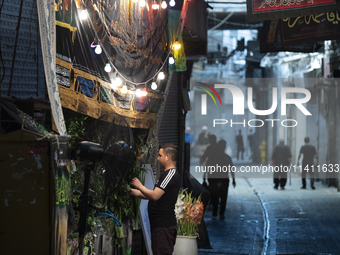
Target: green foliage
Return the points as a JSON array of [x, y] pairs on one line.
[[123, 205], [76, 129]]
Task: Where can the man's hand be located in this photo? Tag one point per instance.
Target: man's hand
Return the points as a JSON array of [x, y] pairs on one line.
[[136, 183], [234, 183], [142, 192]]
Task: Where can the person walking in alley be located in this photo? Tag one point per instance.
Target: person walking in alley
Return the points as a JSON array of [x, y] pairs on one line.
[[162, 200], [203, 136], [208, 157], [309, 153], [240, 145], [209, 151], [219, 181], [202, 142], [281, 157]]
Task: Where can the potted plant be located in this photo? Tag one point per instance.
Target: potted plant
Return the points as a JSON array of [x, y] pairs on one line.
[[189, 213]]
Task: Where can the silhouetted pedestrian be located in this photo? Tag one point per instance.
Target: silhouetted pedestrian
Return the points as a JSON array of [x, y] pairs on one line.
[[208, 157], [209, 151], [202, 142], [309, 153], [281, 158], [219, 180], [203, 136], [189, 137], [240, 145]]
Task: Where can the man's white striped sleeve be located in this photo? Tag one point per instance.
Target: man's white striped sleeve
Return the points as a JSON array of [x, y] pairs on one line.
[[167, 179]]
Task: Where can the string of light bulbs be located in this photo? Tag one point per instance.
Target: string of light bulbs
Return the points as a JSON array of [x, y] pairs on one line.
[[83, 14]]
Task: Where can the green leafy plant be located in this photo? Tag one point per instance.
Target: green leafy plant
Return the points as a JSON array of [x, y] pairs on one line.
[[76, 129], [124, 206]]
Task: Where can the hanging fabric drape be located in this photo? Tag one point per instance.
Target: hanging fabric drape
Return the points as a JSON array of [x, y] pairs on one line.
[[46, 15]]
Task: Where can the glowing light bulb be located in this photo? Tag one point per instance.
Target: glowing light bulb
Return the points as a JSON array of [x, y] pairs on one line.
[[118, 82], [154, 85], [98, 49], [142, 3], [161, 76], [172, 3], [144, 93], [171, 60], [164, 5], [155, 5], [108, 68], [138, 93], [83, 14], [141, 93], [176, 46], [124, 89]]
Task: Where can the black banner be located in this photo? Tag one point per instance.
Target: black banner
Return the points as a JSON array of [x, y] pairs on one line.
[[270, 41], [301, 34], [312, 28], [260, 10]]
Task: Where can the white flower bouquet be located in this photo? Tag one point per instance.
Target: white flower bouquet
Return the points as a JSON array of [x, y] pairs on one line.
[[189, 213]]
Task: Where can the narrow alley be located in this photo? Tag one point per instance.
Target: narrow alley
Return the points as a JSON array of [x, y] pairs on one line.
[[262, 220]]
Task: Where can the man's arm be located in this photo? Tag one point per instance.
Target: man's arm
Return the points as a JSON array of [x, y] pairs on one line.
[[137, 193], [205, 155], [274, 156], [233, 176], [298, 160], [300, 154], [154, 194], [315, 155], [232, 172]]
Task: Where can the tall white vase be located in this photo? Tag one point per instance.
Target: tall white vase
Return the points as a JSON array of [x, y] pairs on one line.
[[186, 245]]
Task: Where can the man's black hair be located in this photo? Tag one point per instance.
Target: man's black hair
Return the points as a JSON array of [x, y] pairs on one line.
[[171, 150]]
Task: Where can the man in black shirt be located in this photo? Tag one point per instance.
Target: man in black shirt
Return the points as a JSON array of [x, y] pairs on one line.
[[162, 200], [309, 152], [281, 157]]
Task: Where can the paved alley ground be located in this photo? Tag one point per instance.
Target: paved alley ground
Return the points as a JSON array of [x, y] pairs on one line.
[[262, 220]]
